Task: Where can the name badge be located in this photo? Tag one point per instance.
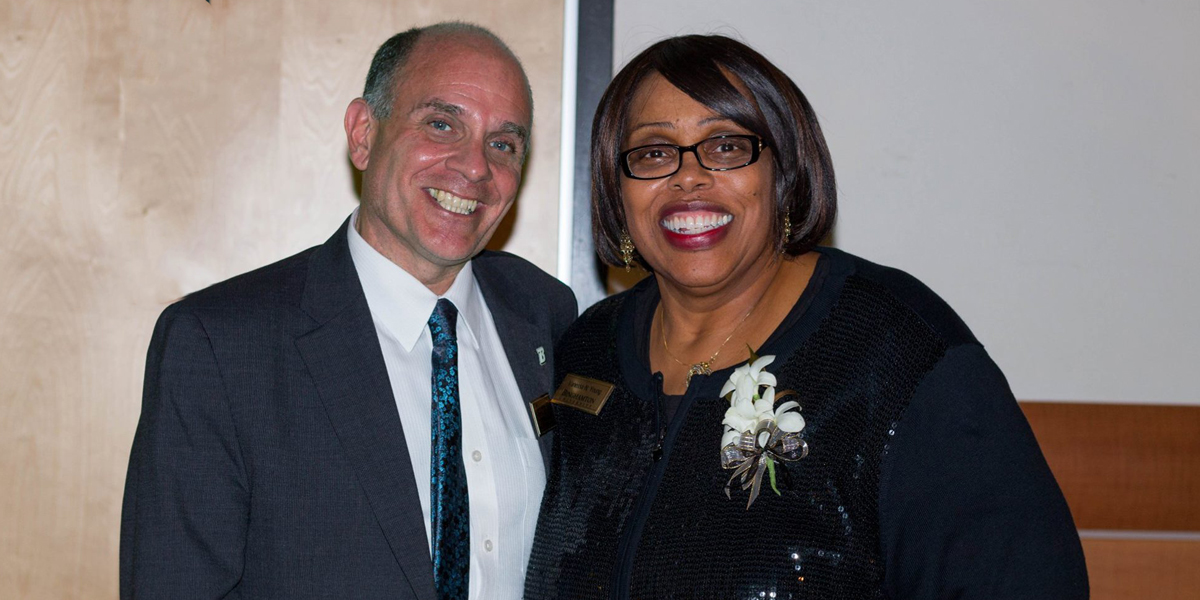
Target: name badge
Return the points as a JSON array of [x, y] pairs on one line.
[[583, 393], [543, 415]]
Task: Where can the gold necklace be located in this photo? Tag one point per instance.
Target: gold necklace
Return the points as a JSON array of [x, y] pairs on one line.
[[703, 367]]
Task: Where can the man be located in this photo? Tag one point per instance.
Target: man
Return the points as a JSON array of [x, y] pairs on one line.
[[349, 422]]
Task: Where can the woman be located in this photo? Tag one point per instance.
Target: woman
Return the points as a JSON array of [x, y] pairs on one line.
[[878, 454]]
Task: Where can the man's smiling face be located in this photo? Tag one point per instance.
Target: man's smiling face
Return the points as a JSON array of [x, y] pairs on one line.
[[443, 169]]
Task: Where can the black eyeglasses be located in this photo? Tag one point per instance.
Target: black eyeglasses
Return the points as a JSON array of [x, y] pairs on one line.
[[720, 153]]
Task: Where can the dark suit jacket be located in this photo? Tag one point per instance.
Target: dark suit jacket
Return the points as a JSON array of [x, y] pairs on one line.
[[269, 461]]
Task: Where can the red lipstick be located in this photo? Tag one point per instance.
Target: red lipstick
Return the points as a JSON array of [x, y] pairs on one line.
[[695, 225]]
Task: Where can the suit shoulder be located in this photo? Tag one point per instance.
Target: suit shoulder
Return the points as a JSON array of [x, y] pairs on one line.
[[270, 288], [521, 276], [917, 297], [511, 266]]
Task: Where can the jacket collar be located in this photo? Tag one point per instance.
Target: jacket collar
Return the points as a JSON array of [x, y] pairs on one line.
[[526, 344], [401, 304], [345, 361]]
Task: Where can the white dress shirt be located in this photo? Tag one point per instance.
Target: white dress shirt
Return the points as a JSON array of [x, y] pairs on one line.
[[505, 475]]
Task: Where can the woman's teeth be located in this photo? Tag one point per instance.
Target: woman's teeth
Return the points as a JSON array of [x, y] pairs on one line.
[[453, 203], [693, 225]]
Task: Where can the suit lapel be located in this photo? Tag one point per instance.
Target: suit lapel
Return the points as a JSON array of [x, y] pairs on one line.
[[521, 338], [346, 364]]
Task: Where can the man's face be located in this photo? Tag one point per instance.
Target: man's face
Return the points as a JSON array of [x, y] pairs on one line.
[[443, 169]]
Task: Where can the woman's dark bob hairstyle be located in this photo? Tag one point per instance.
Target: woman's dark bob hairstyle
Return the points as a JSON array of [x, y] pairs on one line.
[[709, 68]]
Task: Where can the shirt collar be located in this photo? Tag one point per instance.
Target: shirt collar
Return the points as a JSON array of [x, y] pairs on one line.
[[402, 304]]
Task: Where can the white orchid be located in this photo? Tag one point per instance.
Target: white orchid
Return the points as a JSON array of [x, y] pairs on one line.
[[751, 394], [731, 437], [752, 401], [748, 378], [787, 417]]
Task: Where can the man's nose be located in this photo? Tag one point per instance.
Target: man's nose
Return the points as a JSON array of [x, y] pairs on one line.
[[471, 161]]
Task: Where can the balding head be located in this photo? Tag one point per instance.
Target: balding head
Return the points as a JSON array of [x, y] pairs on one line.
[[392, 58]]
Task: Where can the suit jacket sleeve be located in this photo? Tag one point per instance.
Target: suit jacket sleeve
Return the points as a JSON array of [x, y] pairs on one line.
[[186, 506], [968, 507]]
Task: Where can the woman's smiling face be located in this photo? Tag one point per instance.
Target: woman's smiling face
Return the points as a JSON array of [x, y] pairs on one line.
[[698, 228]]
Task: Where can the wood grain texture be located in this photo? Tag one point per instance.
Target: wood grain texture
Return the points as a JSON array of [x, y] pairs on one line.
[[1123, 466], [1150, 569], [148, 149]]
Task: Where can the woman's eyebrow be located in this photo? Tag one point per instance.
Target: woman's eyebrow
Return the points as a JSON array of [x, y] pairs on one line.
[[714, 119], [658, 124], [669, 125]]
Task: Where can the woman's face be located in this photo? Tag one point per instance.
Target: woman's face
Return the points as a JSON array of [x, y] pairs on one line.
[[698, 228]]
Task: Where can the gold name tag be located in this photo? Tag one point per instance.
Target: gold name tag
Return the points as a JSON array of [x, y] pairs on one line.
[[543, 415], [583, 393]]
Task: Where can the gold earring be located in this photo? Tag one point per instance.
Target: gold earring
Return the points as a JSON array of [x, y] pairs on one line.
[[787, 227], [626, 250]]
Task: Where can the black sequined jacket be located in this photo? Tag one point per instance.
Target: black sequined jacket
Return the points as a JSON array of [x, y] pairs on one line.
[[923, 479]]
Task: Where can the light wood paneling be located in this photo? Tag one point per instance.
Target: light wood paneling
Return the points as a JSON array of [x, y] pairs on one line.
[[1143, 569], [1123, 466], [149, 148]]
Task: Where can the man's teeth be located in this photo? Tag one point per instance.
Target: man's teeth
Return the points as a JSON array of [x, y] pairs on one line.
[[692, 225], [453, 203]]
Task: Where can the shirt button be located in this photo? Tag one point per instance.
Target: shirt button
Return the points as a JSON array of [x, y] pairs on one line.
[[477, 456], [487, 545]]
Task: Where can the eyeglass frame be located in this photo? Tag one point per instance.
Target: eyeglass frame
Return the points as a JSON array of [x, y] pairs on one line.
[[755, 153]]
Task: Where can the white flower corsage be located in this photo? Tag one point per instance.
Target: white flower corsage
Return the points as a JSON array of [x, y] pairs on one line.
[[758, 433]]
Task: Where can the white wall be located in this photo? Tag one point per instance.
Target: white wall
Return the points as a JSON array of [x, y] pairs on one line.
[[1035, 163]]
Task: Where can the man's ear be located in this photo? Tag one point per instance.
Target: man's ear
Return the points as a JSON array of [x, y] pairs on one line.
[[360, 132]]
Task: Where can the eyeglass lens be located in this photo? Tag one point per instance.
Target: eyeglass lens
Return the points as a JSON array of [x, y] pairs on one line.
[[713, 153]]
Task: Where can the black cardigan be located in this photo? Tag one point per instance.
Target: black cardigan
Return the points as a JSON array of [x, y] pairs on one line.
[[923, 479]]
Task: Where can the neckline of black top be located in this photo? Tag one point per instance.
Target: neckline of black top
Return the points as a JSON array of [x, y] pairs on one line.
[[633, 343]]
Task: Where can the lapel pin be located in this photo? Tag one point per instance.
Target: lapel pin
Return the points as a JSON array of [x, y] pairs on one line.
[[541, 350]]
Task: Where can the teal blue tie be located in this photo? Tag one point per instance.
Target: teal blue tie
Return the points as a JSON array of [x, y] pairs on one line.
[[448, 506]]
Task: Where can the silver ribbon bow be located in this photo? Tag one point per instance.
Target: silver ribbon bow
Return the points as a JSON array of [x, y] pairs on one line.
[[749, 460]]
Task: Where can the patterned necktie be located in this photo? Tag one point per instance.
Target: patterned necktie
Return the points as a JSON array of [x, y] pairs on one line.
[[448, 505]]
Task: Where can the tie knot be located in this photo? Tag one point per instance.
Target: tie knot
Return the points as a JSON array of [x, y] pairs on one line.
[[443, 321]]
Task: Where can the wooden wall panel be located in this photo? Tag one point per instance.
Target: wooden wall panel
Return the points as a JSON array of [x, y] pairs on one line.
[[1122, 466], [149, 148], [1122, 569]]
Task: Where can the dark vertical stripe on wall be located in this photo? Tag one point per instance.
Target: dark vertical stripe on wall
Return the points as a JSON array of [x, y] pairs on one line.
[[594, 70]]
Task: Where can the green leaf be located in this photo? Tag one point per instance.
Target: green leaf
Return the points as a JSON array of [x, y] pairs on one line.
[[771, 473], [753, 356]]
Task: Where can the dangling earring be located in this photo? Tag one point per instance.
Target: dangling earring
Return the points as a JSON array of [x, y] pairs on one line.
[[787, 227], [626, 250]]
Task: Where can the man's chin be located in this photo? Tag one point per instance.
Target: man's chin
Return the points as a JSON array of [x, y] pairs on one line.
[[449, 257]]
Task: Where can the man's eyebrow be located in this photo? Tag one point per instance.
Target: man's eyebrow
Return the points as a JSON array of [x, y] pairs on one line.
[[456, 110], [518, 130], [440, 106]]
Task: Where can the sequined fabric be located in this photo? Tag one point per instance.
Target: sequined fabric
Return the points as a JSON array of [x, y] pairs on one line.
[[596, 477], [855, 375], [448, 502]]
